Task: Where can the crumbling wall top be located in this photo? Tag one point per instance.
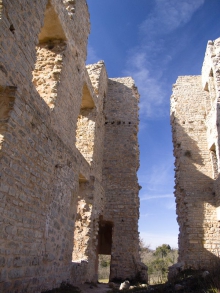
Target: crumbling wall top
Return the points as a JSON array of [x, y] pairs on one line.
[[99, 80], [74, 16], [95, 72], [211, 55]]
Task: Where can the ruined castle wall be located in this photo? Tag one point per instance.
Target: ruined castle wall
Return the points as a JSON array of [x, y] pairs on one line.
[[16, 54], [209, 72], [195, 197], [195, 102], [40, 164], [211, 83], [38, 198], [55, 117], [91, 202], [120, 164]]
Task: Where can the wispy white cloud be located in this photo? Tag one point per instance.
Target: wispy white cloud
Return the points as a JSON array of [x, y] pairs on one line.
[[158, 177], [92, 56], [146, 215], [145, 63], [160, 174], [155, 240], [171, 205], [152, 94], [168, 15], [158, 184]]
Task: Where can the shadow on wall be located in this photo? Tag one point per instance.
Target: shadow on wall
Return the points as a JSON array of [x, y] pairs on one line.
[[86, 126], [199, 239]]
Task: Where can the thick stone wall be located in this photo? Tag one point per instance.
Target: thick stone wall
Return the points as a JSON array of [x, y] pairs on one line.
[[52, 132], [195, 123], [40, 164]]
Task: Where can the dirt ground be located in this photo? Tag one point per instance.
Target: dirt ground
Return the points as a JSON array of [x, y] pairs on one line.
[[88, 288]]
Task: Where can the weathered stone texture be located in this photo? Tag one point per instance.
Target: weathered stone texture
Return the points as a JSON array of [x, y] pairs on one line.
[[53, 138], [48, 67], [195, 119], [121, 161]]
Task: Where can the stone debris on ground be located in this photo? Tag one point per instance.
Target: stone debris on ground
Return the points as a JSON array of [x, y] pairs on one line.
[[124, 285]]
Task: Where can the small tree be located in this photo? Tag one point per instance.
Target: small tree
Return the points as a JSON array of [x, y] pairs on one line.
[[163, 250], [158, 262], [160, 268], [104, 267]]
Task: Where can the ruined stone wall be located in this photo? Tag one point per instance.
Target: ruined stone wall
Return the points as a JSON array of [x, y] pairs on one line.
[[194, 195], [91, 206], [40, 164], [210, 83], [120, 164], [52, 132], [99, 79], [195, 124]]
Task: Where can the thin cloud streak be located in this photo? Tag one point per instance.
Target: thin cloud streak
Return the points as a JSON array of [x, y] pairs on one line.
[[171, 205], [158, 177], [149, 197], [160, 174], [147, 215]]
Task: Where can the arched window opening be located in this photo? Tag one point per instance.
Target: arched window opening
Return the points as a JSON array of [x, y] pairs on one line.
[[85, 132], [214, 161], [50, 52]]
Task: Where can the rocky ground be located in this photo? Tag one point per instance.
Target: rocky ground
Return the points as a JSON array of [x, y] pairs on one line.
[[187, 282], [89, 288]]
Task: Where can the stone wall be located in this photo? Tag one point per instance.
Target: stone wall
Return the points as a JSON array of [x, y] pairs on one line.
[[120, 164], [195, 121], [52, 133]]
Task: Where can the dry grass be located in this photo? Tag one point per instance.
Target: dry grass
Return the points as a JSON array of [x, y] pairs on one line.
[[104, 267], [104, 281]]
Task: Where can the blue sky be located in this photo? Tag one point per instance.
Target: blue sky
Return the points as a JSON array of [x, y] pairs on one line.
[[154, 41]]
